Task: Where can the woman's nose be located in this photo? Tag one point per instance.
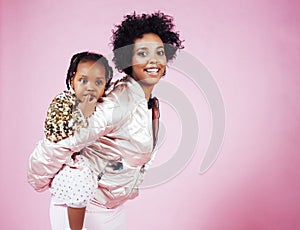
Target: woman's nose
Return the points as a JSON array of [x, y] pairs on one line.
[[152, 59]]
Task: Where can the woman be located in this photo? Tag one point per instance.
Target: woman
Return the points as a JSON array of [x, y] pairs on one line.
[[122, 132]]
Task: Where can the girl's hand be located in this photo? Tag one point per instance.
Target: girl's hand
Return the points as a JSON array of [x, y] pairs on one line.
[[87, 106]]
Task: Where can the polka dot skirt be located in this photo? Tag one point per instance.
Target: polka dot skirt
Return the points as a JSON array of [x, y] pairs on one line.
[[75, 184]]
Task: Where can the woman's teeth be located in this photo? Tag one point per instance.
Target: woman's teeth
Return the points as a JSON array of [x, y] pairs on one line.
[[154, 70]]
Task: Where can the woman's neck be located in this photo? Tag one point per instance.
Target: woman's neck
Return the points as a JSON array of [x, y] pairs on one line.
[[147, 90]]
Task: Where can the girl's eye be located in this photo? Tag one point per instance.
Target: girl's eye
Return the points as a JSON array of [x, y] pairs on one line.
[[99, 82], [142, 53], [161, 52], [83, 80]]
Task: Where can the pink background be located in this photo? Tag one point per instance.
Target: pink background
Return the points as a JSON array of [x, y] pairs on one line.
[[252, 50]]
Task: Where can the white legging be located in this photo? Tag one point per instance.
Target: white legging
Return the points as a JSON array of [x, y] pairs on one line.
[[96, 218]]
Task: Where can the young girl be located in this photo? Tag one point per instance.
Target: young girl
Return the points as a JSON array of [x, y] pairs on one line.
[[89, 75], [123, 129]]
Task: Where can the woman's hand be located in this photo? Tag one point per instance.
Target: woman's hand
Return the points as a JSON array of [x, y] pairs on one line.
[[87, 106]]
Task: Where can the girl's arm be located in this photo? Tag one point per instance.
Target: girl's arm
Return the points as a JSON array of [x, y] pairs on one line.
[[48, 158], [44, 162]]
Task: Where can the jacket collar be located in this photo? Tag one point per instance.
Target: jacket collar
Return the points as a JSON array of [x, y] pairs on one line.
[[135, 87]]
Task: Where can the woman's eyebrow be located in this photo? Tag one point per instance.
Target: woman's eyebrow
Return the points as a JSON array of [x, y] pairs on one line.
[[146, 48], [141, 48]]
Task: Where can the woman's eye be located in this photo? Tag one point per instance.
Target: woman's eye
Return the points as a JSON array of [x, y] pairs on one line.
[[142, 54], [161, 52]]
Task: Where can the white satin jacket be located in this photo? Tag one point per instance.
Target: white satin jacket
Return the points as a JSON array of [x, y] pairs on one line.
[[118, 142]]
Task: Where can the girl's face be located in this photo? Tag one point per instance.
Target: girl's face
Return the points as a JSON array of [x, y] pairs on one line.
[[89, 80], [148, 60]]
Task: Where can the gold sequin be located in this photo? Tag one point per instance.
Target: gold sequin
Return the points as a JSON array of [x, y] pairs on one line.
[[63, 117]]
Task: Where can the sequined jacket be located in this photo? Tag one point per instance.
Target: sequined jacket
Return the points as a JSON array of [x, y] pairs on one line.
[[118, 141]]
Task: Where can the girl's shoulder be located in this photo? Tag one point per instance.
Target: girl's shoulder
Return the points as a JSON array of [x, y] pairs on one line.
[[117, 85], [65, 96]]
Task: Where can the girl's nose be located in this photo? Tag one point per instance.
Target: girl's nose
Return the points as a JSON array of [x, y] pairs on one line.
[[90, 86]]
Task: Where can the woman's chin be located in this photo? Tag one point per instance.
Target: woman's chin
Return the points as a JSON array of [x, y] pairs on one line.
[[151, 81]]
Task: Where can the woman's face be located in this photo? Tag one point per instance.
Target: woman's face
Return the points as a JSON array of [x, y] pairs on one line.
[[148, 60], [89, 80]]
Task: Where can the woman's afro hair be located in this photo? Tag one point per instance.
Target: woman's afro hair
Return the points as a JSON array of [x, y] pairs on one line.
[[135, 26]]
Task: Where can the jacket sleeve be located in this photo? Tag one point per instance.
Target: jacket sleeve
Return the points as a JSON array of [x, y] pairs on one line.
[[48, 157], [109, 115], [45, 161]]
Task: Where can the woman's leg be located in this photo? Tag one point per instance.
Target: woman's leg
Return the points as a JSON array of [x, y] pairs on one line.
[[105, 219], [58, 217], [95, 218]]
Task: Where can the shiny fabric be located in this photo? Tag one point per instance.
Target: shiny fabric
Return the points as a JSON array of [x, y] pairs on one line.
[[119, 131]]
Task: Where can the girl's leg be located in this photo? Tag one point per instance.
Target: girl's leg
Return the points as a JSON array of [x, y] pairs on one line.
[[76, 217], [59, 217]]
